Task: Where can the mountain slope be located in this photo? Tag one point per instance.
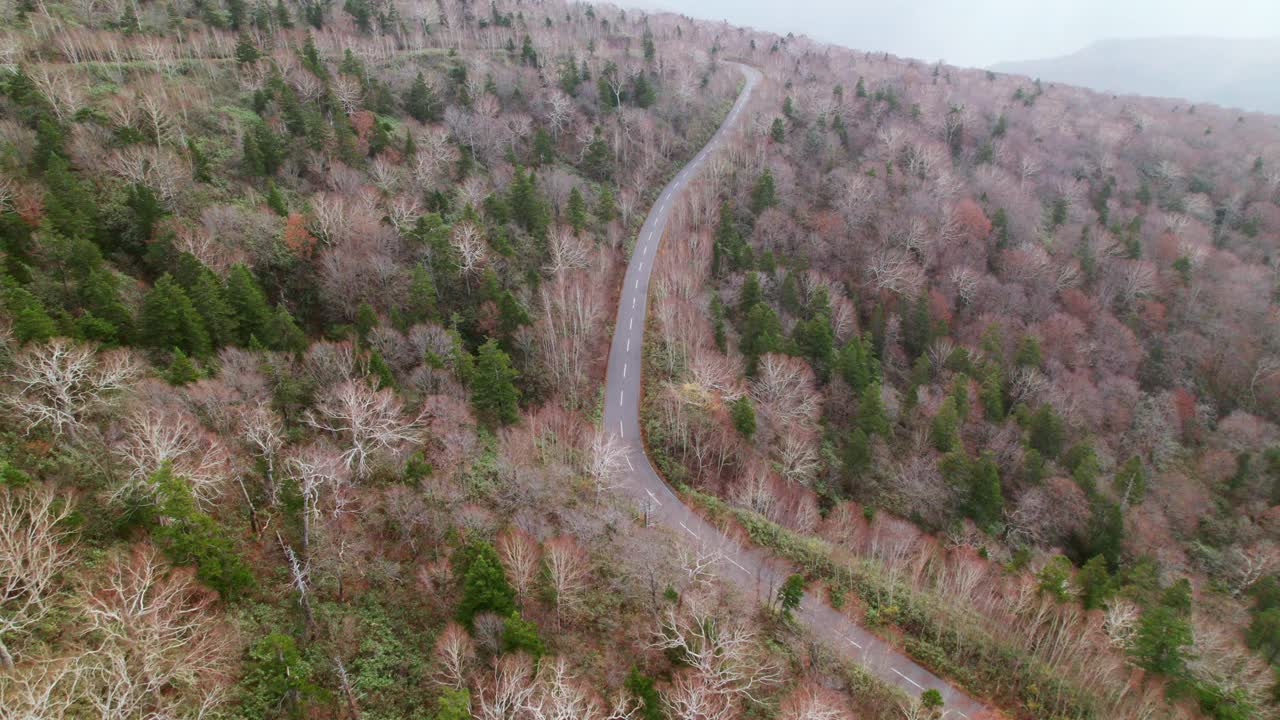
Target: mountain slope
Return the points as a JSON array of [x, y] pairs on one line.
[[1227, 71]]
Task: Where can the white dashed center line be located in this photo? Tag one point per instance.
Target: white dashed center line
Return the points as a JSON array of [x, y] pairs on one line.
[[655, 497], [624, 369], [686, 529], [904, 677], [641, 268], [621, 394]]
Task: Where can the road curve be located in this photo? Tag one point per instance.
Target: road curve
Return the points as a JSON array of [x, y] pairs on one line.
[[747, 567]]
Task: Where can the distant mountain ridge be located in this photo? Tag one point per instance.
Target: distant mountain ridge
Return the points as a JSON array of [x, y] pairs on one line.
[[1233, 72]]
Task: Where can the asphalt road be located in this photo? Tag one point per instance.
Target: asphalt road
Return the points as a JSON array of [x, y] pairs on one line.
[[754, 571]]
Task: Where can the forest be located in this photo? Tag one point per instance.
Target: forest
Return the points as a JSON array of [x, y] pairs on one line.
[[304, 312]]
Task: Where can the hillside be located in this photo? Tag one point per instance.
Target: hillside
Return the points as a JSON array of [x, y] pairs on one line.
[[305, 316], [1231, 72]]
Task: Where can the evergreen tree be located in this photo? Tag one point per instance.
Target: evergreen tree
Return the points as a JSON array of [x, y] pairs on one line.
[[1096, 584], [743, 415], [1028, 353], [285, 333], [576, 210], [986, 501], [421, 306], [68, 208], [761, 333], [871, 415], [763, 195], [528, 208], [453, 704], [181, 370], [643, 690], [246, 51], [856, 459], [100, 295], [650, 52], [366, 321], [1046, 432], [208, 298], [790, 594], [750, 295], [857, 364], [249, 307], [380, 371], [598, 161], [1162, 639], [1131, 481], [275, 200], [945, 428], [528, 56], [606, 206], [642, 92], [493, 391], [420, 101], [777, 131], [484, 584], [189, 536], [31, 322], [520, 635], [991, 395], [168, 320]]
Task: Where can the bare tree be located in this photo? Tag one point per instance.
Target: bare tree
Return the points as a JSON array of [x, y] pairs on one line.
[[156, 437], [317, 469], [725, 663], [454, 653], [505, 691], [608, 461], [520, 555], [58, 384], [568, 571], [34, 548], [159, 650], [469, 244], [367, 419], [568, 251]]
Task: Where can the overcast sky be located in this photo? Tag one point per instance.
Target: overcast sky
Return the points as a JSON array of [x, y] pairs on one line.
[[983, 32]]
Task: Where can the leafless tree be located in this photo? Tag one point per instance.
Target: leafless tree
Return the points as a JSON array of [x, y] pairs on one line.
[[58, 384], [35, 547], [607, 461], [520, 557], [367, 419], [159, 650], [568, 572], [454, 654], [156, 437], [318, 470], [469, 244], [725, 662], [568, 251]]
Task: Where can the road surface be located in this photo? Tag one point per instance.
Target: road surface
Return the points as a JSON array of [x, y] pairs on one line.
[[751, 569]]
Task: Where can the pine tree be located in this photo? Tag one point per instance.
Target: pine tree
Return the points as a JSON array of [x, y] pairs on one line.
[[986, 500], [275, 200], [285, 332], [606, 207], [31, 322], [246, 51], [763, 195], [743, 415], [1162, 639], [944, 431], [856, 458], [181, 370], [168, 320], [421, 306], [420, 101], [366, 321], [871, 415], [598, 162], [249, 307], [493, 391], [761, 333], [857, 364], [750, 295], [1046, 432], [1096, 584], [208, 297], [484, 584], [777, 131], [100, 295], [576, 210], [1131, 481], [380, 371]]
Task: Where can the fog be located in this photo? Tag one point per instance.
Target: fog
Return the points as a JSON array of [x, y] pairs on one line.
[[982, 32]]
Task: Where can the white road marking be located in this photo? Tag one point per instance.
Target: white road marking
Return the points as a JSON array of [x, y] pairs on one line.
[[637, 287], [633, 303], [735, 563], [621, 394], [904, 677], [854, 643], [621, 432], [686, 527], [662, 207], [655, 497], [641, 268], [628, 344], [624, 369], [631, 323]]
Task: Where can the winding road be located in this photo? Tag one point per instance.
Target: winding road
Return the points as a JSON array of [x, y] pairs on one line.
[[749, 568]]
